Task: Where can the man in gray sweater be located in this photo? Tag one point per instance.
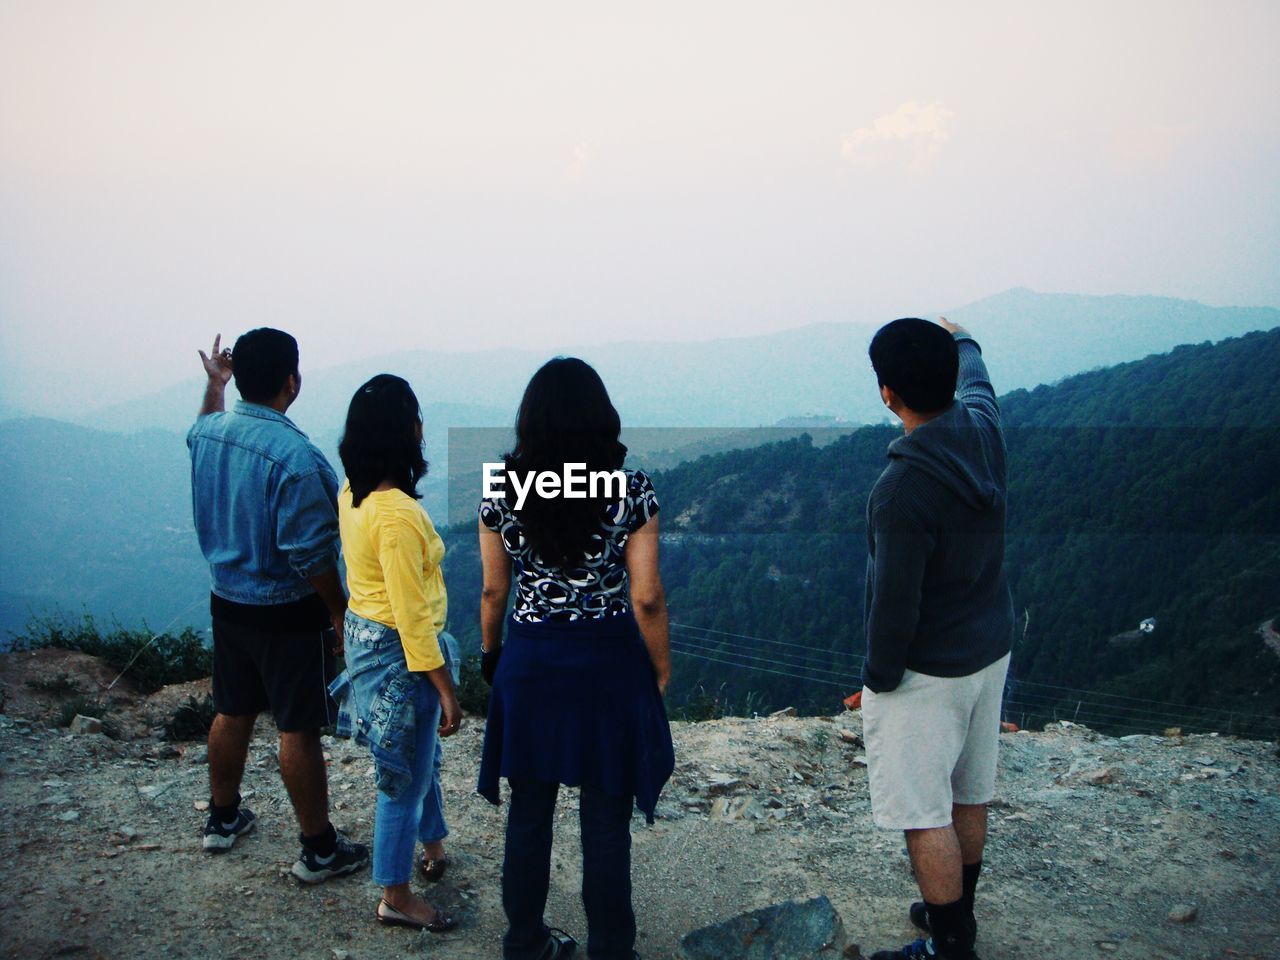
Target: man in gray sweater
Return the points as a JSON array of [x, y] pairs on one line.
[[939, 621]]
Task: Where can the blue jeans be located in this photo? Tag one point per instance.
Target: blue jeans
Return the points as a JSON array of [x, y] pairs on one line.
[[606, 870], [418, 813]]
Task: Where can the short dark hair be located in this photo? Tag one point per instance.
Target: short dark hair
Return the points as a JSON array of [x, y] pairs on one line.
[[917, 360], [381, 440], [262, 361]]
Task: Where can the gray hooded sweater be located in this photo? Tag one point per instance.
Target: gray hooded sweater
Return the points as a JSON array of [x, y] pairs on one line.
[[937, 601]]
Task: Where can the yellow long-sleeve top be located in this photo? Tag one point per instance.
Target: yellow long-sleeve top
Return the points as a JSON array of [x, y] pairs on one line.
[[393, 556]]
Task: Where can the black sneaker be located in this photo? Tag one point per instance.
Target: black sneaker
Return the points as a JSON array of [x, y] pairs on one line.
[[347, 857], [561, 946], [220, 837], [918, 950], [919, 916]]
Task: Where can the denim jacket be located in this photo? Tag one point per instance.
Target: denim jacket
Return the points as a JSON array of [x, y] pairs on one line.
[[265, 502], [375, 698]]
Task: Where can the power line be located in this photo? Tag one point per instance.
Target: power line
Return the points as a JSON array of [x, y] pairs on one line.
[[742, 636], [1182, 708], [849, 678], [824, 662], [1116, 708], [745, 666], [1088, 715], [1120, 714]]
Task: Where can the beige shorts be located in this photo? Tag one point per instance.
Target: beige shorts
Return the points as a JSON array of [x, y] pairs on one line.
[[932, 742]]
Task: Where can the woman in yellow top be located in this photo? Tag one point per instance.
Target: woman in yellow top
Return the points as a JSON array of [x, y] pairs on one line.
[[398, 675]]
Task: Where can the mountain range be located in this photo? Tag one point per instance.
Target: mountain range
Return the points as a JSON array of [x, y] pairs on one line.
[[820, 369]]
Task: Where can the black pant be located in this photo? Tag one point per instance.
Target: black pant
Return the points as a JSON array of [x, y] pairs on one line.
[[606, 871]]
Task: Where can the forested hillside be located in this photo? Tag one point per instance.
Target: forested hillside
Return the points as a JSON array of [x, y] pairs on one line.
[[1147, 490]]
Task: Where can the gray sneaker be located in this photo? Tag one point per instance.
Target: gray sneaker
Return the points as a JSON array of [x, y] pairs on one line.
[[347, 857]]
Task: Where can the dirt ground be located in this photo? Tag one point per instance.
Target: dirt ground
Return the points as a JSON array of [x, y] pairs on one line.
[[1095, 842]]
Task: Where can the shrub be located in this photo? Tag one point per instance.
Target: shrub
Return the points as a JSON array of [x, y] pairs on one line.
[[151, 661], [473, 692], [701, 706], [191, 721], [60, 685]]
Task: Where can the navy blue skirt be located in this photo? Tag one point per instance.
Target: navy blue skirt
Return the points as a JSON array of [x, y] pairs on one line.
[[575, 702]]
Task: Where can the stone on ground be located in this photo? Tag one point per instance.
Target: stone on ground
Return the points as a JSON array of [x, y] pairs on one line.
[[795, 930], [82, 724]]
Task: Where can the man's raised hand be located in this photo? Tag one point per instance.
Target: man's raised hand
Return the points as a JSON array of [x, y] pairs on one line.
[[217, 363], [949, 326]]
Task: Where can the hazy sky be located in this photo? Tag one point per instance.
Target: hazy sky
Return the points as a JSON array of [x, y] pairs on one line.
[[381, 175]]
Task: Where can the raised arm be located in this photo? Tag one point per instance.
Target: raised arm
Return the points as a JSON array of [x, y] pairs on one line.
[[648, 599], [973, 385], [217, 367]]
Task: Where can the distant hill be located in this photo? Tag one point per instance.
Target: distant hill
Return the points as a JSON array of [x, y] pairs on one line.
[[1151, 489], [819, 370], [98, 523], [9, 411]]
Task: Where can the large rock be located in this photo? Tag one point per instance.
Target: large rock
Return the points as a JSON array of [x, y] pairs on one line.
[[82, 725], [719, 784], [795, 930]]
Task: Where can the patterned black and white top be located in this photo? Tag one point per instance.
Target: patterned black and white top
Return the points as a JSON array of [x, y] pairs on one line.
[[599, 585]]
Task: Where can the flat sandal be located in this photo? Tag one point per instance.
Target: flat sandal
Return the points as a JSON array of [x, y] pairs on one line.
[[398, 918]]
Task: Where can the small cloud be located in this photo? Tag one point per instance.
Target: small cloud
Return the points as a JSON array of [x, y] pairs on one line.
[[577, 168], [910, 137]]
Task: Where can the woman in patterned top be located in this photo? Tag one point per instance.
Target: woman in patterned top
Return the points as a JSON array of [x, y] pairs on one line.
[[577, 686]]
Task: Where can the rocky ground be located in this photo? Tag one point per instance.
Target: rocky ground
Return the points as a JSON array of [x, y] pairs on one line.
[[1142, 847]]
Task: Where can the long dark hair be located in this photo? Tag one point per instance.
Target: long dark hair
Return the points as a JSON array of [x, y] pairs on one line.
[[382, 439], [565, 417]]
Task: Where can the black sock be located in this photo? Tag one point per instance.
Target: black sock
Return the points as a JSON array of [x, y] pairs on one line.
[[322, 844], [952, 934], [224, 814], [971, 872]]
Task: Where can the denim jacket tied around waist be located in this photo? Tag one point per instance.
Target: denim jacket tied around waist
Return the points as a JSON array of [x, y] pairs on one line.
[[375, 697]]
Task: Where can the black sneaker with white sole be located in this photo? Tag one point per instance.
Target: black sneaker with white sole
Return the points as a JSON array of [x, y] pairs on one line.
[[220, 837], [347, 857]]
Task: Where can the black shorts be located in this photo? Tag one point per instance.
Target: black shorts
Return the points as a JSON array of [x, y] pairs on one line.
[[285, 672]]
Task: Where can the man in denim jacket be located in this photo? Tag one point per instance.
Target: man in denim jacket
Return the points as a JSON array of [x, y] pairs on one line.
[[265, 506]]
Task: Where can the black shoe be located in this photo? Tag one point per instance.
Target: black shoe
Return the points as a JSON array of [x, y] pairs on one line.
[[919, 950], [916, 950], [347, 857], [220, 837], [920, 916], [561, 946]]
